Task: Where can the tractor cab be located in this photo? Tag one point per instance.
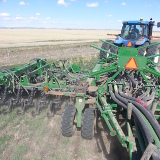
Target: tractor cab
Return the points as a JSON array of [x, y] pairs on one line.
[[135, 33]]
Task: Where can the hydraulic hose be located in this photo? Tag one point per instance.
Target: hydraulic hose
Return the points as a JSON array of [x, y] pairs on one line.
[[147, 114], [132, 79], [133, 98], [135, 101], [145, 93], [151, 96], [142, 124], [136, 114]]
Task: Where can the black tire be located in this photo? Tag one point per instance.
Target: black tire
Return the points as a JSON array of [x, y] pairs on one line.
[[137, 154], [106, 47], [114, 50], [152, 50], [143, 51], [67, 122], [88, 124]]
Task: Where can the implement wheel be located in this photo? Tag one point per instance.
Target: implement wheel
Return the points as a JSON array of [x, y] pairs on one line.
[[67, 122], [88, 123], [106, 47]]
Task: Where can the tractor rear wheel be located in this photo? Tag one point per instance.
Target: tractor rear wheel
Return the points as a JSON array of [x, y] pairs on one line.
[[143, 51], [114, 50], [106, 47], [152, 50], [67, 122], [88, 123]]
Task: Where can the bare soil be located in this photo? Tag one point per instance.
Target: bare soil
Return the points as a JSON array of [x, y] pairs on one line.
[[25, 137]]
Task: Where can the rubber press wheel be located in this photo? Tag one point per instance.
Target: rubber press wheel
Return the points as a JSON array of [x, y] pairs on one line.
[[106, 47], [67, 122], [88, 123]]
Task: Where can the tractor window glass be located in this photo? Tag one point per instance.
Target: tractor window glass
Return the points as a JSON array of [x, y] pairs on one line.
[[132, 31], [145, 30], [125, 31]]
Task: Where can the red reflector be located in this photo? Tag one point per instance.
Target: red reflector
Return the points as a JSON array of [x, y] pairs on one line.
[[73, 95], [131, 64], [117, 38], [45, 88]]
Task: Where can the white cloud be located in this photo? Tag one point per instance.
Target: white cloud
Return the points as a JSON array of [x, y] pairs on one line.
[[119, 20], [106, 1], [37, 14], [72, 0], [92, 5], [4, 0], [4, 14], [109, 15], [148, 5], [6, 18], [18, 18], [48, 18], [32, 18], [62, 3], [123, 4], [22, 3]]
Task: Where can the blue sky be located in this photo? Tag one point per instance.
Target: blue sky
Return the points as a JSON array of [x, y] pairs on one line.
[[83, 14]]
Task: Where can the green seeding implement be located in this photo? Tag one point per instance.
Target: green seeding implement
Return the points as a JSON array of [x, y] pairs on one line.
[[123, 85]]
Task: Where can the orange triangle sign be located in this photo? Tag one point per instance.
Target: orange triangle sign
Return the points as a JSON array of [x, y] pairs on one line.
[[129, 44], [131, 64]]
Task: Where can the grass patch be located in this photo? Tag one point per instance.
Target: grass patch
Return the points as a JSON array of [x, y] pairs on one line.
[[4, 141], [8, 119], [65, 140], [20, 152], [86, 62]]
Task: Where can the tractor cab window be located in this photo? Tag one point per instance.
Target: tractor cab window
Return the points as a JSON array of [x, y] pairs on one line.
[[133, 31]]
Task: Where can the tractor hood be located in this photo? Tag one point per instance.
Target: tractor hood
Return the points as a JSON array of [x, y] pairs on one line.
[[130, 43]]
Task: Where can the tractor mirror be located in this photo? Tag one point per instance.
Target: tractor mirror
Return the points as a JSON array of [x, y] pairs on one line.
[[158, 24]]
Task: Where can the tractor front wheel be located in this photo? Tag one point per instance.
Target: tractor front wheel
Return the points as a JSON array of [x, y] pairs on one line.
[[67, 122]]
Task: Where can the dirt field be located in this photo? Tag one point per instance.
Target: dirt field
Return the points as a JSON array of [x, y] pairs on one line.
[[25, 137]]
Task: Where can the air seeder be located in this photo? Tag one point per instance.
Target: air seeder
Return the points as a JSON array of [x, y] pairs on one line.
[[124, 84]]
